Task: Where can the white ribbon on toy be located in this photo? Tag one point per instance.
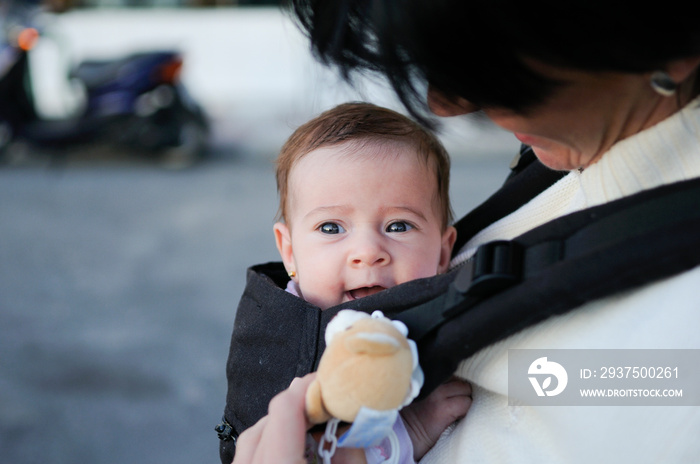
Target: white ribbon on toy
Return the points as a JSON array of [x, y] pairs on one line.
[[369, 428]]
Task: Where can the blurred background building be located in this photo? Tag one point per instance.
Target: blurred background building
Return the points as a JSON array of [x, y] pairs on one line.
[[244, 61]]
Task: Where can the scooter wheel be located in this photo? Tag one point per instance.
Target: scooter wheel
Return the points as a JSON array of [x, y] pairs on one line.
[[5, 140], [191, 149]]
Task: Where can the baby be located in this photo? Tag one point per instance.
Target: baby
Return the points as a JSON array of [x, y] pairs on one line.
[[364, 206]]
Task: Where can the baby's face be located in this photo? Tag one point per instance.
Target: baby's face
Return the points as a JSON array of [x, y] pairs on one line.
[[358, 223]]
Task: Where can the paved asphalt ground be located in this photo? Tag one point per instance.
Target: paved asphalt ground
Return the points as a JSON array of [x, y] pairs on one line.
[[118, 288]]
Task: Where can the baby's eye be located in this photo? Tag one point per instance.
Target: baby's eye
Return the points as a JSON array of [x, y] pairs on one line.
[[331, 228], [399, 226]]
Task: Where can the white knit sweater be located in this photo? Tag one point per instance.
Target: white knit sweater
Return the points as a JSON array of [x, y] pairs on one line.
[[665, 314]]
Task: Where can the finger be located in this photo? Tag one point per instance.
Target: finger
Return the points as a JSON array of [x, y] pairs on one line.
[[287, 414], [278, 437], [283, 439], [456, 387], [248, 442]]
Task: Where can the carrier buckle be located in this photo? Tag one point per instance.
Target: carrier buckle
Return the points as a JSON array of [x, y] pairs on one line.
[[225, 431], [495, 266]]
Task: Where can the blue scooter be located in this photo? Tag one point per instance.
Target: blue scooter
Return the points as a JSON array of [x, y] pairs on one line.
[[136, 103]]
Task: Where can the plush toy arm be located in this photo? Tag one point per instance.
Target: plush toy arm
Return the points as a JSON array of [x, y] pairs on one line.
[[315, 410]]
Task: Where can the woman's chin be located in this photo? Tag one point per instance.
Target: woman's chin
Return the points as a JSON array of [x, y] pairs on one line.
[[558, 159]]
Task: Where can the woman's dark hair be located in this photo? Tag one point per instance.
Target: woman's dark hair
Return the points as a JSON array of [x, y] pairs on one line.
[[474, 49]]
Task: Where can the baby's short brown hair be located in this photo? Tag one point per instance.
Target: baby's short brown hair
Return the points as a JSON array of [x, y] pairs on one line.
[[359, 121]]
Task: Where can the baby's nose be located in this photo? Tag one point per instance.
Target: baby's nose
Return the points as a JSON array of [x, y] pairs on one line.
[[369, 253]]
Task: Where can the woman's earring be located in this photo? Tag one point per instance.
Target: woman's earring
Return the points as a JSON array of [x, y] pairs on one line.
[[292, 274], [662, 84]]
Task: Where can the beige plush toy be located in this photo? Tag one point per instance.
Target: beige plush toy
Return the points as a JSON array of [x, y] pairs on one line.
[[368, 362]]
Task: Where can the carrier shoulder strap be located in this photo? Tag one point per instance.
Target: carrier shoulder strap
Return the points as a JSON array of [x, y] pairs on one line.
[[528, 178], [509, 285]]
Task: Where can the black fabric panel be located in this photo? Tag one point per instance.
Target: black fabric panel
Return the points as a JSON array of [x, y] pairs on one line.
[[275, 339], [278, 337]]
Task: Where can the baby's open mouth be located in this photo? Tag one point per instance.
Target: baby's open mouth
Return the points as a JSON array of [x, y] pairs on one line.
[[364, 291]]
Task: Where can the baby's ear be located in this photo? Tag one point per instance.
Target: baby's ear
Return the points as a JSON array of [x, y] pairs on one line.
[[448, 242], [283, 239]]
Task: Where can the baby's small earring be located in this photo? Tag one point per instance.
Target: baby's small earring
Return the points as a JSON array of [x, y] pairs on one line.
[[292, 274]]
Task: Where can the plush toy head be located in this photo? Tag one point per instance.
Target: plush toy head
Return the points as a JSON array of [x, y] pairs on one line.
[[368, 362]]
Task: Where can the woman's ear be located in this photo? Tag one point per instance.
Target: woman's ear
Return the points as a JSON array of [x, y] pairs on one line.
[[681, 69], [448, 242], [283, 239]]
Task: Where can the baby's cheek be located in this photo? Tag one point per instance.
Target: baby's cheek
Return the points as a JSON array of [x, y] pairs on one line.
[[322, 292], [419, 269]]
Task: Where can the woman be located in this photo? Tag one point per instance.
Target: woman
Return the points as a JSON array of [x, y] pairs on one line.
[[606, 93]]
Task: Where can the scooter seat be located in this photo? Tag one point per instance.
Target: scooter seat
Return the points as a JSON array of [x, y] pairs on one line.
[[96, 73]]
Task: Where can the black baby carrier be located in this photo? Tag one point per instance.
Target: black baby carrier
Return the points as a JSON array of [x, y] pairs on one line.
[[504, 287]]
